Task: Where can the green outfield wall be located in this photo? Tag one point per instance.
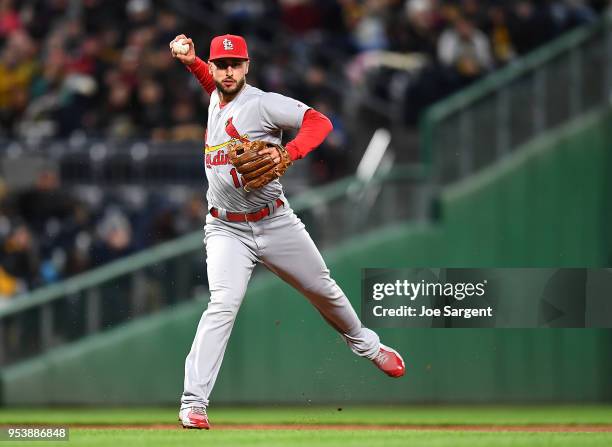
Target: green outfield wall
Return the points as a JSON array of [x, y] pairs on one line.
[[549, 204]]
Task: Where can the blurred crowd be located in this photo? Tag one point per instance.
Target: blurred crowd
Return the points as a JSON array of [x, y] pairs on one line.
[[102, 69], [48, 233], [93, 65], [416, 52]]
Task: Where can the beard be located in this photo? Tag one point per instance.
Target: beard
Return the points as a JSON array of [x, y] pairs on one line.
[[231, 90]]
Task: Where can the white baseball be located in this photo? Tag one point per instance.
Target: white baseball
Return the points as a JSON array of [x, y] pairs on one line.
[[180, 47]]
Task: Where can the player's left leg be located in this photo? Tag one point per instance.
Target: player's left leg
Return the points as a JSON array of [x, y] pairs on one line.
[[292, 255]]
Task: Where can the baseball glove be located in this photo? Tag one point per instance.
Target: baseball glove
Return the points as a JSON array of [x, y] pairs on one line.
[[257, 170]]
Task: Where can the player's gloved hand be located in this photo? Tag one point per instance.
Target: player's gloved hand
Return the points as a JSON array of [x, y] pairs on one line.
[[259, 162], [273, 151], [189, 57]]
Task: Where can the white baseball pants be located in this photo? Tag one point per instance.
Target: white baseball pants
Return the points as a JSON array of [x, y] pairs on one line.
[[281, 242]]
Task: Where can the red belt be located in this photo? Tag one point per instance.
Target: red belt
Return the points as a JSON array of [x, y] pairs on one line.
[[247, 217]]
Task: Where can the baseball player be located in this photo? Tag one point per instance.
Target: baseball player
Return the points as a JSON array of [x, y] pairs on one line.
[[247, 226]]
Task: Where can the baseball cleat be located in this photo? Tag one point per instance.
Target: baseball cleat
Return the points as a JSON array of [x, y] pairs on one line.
[[389, 361], [194, 417]]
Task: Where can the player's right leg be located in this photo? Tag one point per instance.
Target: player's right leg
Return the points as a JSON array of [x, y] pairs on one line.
[[230, 263]]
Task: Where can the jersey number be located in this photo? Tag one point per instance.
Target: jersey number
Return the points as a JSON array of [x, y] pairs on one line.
[[235, 178]]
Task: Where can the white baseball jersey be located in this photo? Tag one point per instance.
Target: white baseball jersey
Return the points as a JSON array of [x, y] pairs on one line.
[[254, 115]]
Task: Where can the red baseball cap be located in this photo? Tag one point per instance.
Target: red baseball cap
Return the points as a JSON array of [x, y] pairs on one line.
[[228, 45]]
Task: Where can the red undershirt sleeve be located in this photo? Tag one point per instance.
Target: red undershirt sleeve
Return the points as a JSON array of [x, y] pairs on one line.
[[199, 68], [315, 128]]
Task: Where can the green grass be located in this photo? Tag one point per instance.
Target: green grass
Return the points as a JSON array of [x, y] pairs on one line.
[[384, 415], [370, 438]]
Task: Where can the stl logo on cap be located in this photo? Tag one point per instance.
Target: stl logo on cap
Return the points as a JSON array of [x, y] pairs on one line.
[[228, 45]]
